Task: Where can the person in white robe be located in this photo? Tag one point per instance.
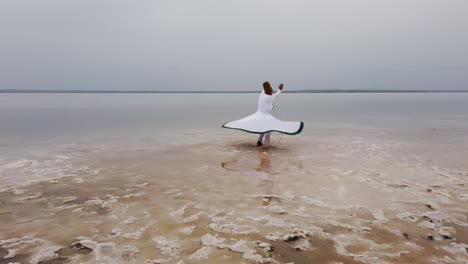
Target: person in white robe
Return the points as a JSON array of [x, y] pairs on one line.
[[262, 122]]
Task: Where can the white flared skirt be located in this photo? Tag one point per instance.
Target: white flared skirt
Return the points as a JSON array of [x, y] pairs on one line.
[[261, 122]]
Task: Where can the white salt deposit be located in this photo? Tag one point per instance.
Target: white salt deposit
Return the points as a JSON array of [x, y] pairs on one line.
[[107, 252], [45, 253], [379, 216], [187, 230], [408, 217], [301, 245], [248, 252], [213, 241], [167, 247], [274, 236], [268, 220], [128, 221], [200, 254], [220, 224], [135, 235]]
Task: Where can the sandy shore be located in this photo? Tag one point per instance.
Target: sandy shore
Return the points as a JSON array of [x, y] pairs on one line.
[[329, 199]]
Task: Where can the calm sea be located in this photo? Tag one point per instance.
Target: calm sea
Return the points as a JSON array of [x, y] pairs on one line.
[[32, 118]]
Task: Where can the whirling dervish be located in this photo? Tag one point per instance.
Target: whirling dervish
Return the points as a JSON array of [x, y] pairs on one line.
[[262, 122]]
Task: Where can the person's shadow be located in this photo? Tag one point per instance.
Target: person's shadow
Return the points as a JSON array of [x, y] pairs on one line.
[[259, 169]]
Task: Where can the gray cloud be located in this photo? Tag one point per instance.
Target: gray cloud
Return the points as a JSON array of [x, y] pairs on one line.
[[233, 45]]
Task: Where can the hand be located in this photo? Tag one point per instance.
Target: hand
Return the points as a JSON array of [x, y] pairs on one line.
[[281, 86]]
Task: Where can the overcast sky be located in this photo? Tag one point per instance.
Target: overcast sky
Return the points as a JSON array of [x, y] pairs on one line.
[[233, 45]]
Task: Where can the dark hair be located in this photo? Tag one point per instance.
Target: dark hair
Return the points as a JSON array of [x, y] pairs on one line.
[[267, 87]]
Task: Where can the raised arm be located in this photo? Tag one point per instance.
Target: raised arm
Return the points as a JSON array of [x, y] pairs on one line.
[[280, 88]]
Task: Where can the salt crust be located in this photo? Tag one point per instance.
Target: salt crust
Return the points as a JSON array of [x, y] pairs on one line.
[[187, 230], [141, 185], [274, 236], [464, 197], [201, 254], [366, 258], [427, 224], [220, 224], [436, 215], [19, 164], [302, 245], [240, 246], [51, 168], [301, 211], [447, 260], [130, 220], [156, 261], [316, 202], [436, 223], [320, 203], [271, 221], [354, 228], [298, 234], [265, 246], [414, 245], [392, 230], [15, 245], [248, 253], [107, 253], [402, 252], [31, 196], [379, 216], [457, 248], [288, 196], [132, 195], [135, 235], [68, 199], [167, 247], [45, 254], [18, 192], [8, 188], [213, 241], [78, 180], [177, 215], [409, 217], [371, 257], [397, 254], [342, 241], [276, 209]]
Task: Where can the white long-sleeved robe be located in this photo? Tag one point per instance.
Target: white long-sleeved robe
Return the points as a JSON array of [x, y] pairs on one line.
[[262, 121]]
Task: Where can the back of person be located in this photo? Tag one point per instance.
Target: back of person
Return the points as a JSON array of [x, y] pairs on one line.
[[265, 103]]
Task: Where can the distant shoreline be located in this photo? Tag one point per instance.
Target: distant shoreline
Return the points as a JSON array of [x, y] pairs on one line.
[[226, 92]]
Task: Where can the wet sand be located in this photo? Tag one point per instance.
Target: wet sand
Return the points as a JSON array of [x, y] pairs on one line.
[[350, 198]]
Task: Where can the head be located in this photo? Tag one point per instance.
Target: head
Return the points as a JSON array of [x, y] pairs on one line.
[[267, 88]]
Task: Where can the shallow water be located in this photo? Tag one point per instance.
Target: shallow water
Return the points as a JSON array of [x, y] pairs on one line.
[[176, 188]]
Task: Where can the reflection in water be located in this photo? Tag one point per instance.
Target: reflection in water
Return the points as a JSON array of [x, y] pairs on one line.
[[259, 169]]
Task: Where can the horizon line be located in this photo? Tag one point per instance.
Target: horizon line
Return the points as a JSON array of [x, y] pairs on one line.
[[215, 92]]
